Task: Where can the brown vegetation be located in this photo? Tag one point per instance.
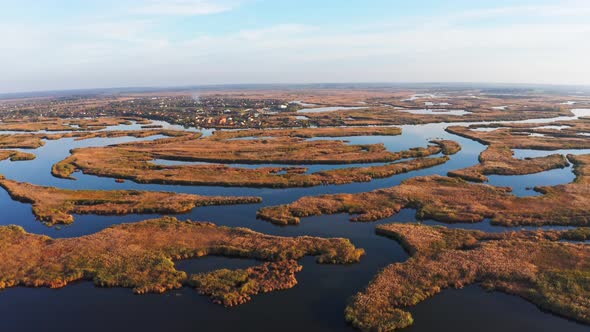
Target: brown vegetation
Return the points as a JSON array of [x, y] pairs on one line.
[[21, 141], [453, 200], [140, 255], [310, 132], [388, 115], [56, 206], [280, 150], [519, 139], [569, 129], [122, 133], [235, 287], [448, 147], [553, 275], [58, 124], [16, 155], [34, 141], [498, 159], [134, 162]]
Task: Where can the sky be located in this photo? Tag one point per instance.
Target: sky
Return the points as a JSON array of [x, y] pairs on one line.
[[79, 44]]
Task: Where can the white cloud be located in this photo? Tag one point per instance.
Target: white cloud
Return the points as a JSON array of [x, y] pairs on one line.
[[278, 31], [539, 44], [185, 7]]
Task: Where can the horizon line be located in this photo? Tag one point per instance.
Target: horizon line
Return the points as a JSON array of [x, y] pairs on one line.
[[146, 88]]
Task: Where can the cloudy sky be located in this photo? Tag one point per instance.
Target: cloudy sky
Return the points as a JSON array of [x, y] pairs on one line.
[[72, 44]]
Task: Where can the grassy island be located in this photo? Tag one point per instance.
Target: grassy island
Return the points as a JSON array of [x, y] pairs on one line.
[[134, 161], [140, 255], [20, 141], [235, 287], [400, 113], [139, 168], [310, 132], [56, 206], [453, 200], [16, 155], [553, 275], [30, 124], [82, 135], [524, 138], [498, 159]]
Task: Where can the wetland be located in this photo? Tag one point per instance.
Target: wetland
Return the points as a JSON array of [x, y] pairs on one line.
[[479, 197]]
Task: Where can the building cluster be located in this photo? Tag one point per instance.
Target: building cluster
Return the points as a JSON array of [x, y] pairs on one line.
[[182, 110]]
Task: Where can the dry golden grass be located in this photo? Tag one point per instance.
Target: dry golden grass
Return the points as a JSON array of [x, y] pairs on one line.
[[280, 150], [16, 155], [498, 159], [448, 147], [34, 140], [380, 114], [141, 255], [21, 141], [58, 124], [134, 162], [521, 139], [324, 97], [553, 275], [310, 132], [235, 287], [82, 135], [569, 130], [56, 206], [453, 200]]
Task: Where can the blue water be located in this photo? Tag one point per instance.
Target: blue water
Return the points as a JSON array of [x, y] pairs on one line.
[[522, 185], [328, 109], [315, 304], [436, 112]]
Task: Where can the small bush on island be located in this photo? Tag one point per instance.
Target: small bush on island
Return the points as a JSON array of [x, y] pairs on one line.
[[235, 287]]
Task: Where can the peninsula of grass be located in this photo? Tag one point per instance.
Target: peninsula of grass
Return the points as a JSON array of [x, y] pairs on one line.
[[82, 135], [16, 155], [141, 255], [453, 200], [310, 132], [522, 138], [57, 206], [558, 131], [20, 141], [59, 124], [280, 150], [498, 159], [449, 147], [134, 162], [388, 114], [553, 275], [235, 287]]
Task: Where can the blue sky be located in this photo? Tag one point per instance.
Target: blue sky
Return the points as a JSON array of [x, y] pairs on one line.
[[67, 44]]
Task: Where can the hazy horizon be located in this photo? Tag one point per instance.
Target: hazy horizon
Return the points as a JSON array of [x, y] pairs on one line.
[[65, 45], [582, 89]]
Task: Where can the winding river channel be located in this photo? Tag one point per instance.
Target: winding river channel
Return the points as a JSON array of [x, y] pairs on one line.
[[315, 304]]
